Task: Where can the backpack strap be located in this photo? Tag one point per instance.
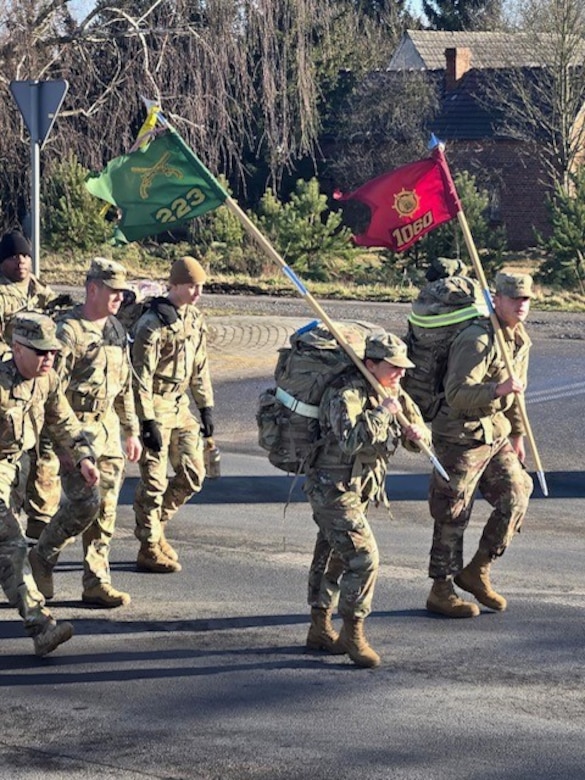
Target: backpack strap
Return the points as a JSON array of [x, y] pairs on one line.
[[299, 407]]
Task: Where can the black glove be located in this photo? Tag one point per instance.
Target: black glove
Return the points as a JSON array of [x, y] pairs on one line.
[[207, 426], [151, 436], [63, 300], [167, 313]]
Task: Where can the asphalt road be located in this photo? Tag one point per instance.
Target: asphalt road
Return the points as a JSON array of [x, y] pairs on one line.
[[204, 674]]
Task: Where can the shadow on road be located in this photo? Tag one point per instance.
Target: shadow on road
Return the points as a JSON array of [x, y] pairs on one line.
[[276, 489]]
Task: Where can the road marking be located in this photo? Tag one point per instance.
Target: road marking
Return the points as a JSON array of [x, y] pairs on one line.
[[541, 396]]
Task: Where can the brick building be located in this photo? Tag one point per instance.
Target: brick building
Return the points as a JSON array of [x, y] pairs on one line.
[[473, 125]]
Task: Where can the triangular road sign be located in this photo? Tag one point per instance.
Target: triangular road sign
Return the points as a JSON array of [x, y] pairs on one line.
[[39, 103]]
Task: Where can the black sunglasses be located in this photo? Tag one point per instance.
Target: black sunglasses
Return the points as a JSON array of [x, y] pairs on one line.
[[42, 352]]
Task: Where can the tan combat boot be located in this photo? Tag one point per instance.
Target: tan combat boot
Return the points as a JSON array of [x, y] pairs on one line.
[[475, 578], [105, 595], [355, 644], [150, 558], [322, 635], [52, 635], [443, 600], [42, 572], [165, 547]]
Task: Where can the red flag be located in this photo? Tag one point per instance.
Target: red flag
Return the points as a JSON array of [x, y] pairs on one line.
[[407, 203]]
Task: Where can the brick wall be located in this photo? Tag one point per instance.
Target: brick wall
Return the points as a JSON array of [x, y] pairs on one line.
[[515, 178]]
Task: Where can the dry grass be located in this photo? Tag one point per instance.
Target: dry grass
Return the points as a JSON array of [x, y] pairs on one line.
[[71, 269]]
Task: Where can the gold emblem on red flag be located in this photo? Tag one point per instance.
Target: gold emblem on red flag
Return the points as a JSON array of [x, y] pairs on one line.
[[406, 203]]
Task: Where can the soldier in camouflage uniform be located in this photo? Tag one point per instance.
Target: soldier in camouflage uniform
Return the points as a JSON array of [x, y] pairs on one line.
[[30, 396], [348, 471], [169, 356], [20, 291], [94, 368], [479, 439]]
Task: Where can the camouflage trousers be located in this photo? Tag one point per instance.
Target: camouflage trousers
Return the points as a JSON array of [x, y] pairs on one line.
[[15, 575], [324, 575], [496, 471], [345, 561], [157, 496], [43, 485], [96, 527]]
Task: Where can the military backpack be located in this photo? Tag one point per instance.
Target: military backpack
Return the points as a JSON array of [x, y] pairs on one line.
[[442, 310], [288, 414]]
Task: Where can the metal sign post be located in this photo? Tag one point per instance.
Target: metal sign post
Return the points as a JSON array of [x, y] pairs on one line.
[[39, 103]]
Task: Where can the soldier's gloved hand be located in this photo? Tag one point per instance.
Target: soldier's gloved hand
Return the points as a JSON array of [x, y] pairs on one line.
[[62, 300], [151, 435], [207, 426]]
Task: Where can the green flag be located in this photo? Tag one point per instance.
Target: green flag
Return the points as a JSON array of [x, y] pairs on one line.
[[157, 188]]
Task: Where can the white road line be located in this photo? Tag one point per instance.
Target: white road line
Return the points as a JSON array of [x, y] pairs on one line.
[[541, 396]]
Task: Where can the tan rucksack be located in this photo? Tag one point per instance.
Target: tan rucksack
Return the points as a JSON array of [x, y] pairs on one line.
[[288, 414]]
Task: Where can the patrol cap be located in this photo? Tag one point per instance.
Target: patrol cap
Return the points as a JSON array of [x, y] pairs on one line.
[[109, 272], [514, 285], [14, 243], [36, 331], [187, 270], [388, 347]]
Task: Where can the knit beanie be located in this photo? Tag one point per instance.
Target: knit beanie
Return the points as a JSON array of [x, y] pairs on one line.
[[187, 270], [14, 243]]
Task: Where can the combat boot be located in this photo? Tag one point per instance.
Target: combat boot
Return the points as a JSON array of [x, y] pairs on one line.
[[105, 595], [166, 549], [354, 643], [150, 558], [443, 600], [42, 572], [475, 578], [52, 635], [322, 635]]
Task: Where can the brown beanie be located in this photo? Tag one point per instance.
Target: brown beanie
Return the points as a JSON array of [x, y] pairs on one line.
[[187, 270]]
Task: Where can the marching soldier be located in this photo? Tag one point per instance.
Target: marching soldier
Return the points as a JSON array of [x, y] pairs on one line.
[[358, 435], [478, 437], [30, 396], [169, 356], [95, 371], [20, 291]]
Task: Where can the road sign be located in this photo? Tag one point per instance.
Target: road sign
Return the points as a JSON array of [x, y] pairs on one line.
[[39, 103]]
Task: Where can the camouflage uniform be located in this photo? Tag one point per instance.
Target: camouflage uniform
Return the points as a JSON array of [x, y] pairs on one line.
[[42, 466], [30, 295], [26, 405], [470, 438], [94, 367], [168, 359], [349, 471]]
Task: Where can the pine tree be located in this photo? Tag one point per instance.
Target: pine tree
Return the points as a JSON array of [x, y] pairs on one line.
[[565, 265], [469, 15]]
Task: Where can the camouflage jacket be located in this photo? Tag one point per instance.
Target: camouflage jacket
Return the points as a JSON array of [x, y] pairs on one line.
[[168, 360], [16, 297], [471, 411], [359, 436], [28, 404], [94, 367]]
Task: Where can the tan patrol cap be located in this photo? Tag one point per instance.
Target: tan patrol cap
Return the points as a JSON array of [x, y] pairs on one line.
[[36, 331], [187, 270], [389, 348], [109, 272], [514, 285]]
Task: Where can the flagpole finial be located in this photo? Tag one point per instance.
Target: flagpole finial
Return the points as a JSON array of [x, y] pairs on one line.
[[434, 143]]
